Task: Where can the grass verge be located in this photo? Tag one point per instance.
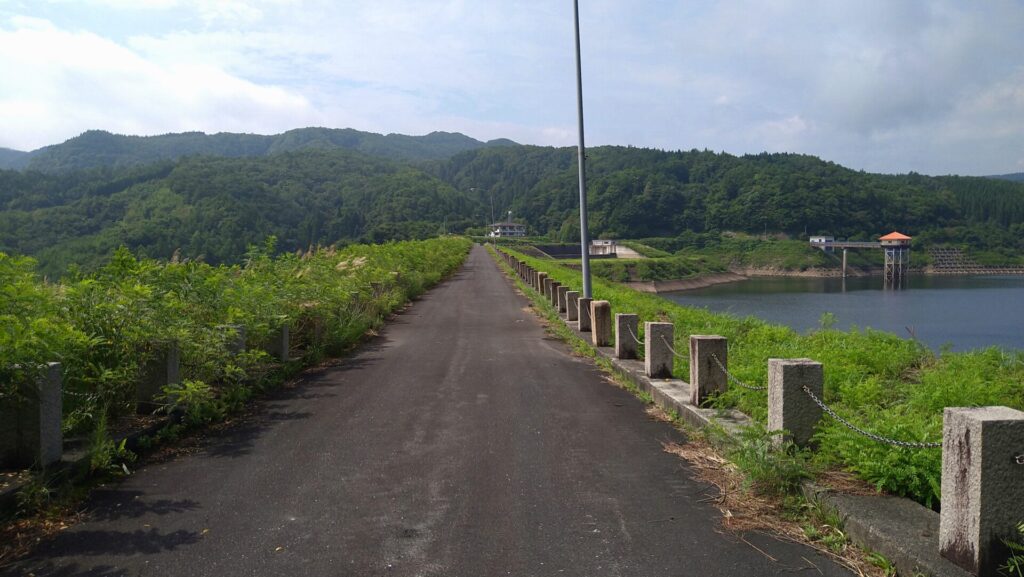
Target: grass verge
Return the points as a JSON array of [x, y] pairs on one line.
[[756, 488]]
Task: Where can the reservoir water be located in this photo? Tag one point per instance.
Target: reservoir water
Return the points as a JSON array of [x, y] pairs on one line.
[[961, 312]]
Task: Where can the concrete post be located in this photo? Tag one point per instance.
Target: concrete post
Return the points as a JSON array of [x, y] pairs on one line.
[[706, 377], [541, 278], [601, 321], [625, 328], [554, 293], [583, 322], [30, 426], [546, 289], [162, 370], [562, 290], [236, 338], [279, 344], [790, 409], [982, 485], [658, 360], [572, 305]]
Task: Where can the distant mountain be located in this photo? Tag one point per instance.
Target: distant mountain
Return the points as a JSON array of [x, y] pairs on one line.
[[1015, 177], [214, 207], [13, 159], [318, 186], [98, 148]]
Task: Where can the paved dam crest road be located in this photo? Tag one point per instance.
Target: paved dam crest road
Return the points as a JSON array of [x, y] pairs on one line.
[[460, 442]]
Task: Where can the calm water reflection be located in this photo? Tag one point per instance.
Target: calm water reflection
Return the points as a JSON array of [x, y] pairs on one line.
[[964, 312]]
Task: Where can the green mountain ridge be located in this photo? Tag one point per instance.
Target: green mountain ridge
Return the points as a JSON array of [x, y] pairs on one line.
[[13, 159], [317, 189], [1015, 177], [99, 148]]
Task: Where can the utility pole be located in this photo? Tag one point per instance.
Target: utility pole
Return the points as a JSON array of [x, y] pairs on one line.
[[584, 233]]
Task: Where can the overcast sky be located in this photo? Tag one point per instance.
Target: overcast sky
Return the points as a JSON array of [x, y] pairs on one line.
[[935, 86]]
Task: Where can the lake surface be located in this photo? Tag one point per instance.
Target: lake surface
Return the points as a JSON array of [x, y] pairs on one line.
[[963, 312]]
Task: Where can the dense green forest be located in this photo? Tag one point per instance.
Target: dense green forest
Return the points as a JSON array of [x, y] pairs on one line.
[[214, 208], [98, 148], [208, 205]]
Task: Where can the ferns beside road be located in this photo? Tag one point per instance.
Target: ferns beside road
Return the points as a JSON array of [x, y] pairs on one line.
[[105, 326]]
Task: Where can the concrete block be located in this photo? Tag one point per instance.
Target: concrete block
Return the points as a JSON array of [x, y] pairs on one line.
[[583, 322], [279, 343], [791, 409], [161, 370], [30, 427], [235, 338], [51, 401], [601, 323], [626, 326], [658, 359], [541, 279], [706, 377], [982, 485], [562, 290], [554, 293], [572, 305], [546, 289]]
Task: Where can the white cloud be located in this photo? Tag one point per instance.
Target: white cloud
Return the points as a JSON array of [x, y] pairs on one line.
[[932, 86], [59, 83]]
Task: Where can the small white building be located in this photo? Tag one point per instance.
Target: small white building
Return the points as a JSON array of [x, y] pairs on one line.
[[602, 247], [823, 242], [507, 229]]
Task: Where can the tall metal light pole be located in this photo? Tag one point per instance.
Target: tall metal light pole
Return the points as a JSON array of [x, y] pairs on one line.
[[584, 233]]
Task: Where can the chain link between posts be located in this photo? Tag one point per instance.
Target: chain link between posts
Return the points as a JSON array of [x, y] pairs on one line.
[[632, 334], [733, 379], [671, 349], [872, 436]]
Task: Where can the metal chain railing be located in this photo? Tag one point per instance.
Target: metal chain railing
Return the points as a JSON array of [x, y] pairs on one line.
[[671, 349], [632, 334], [872, 436], [733, 379]]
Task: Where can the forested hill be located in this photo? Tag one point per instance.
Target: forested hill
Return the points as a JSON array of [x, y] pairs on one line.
[[214, 207], [97, 148], [15, 159], [1015, 177], [637, 193]]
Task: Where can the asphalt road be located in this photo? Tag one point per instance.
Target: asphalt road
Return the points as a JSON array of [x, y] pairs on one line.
[[461, 442]]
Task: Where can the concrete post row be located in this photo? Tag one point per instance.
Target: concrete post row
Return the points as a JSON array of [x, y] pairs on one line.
[[161, 370], [601, 323], [625, 328], [790, 409], [706, 377], [583, 323], [553, 297], [30, 427], [562, 290], [982, 485], [572, 305]]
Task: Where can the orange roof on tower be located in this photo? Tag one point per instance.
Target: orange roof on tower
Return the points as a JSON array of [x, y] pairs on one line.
[[895, 236]]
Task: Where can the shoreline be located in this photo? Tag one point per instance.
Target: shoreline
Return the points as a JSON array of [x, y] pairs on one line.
[[700, 281]]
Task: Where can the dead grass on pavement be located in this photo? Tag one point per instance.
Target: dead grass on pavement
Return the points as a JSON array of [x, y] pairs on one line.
[[744, 511]]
